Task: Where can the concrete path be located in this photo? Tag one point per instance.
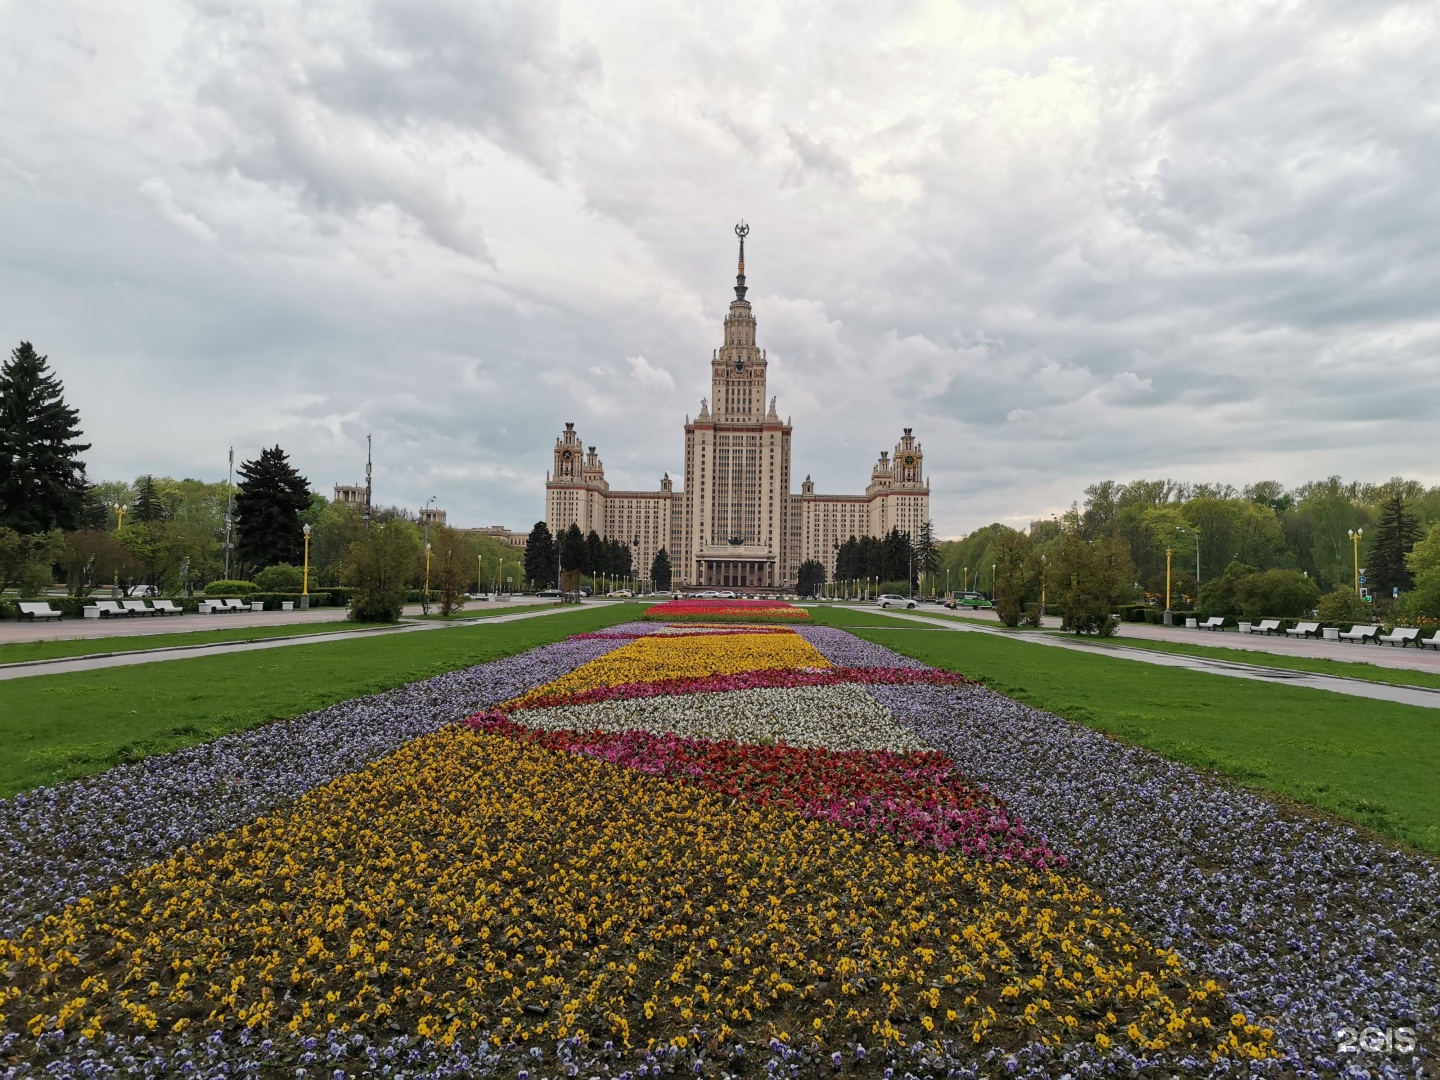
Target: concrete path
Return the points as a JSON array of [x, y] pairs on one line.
[[139, 626], [1404, 695], [63, 665], [1406, 659]]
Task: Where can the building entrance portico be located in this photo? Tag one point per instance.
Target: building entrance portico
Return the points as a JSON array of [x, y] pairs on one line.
[[737, 573]]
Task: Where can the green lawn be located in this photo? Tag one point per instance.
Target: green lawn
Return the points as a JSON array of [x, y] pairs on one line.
[[1371, 762], [1345, 669], [17, 652], [1352, 666], [61, 726]]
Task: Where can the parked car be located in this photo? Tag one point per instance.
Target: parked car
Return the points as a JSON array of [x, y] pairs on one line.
[[709, 594], [548, 594], [889, 600], [143, 590], [619, 594]]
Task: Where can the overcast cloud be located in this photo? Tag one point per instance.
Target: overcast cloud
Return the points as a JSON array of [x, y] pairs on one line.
[[1063, 241]]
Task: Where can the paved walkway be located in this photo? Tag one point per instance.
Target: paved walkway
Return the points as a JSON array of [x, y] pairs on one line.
[[189, 652], [1404, 695], [139, 626], [1407, 659]]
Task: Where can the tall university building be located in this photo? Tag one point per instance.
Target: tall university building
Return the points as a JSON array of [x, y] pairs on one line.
[[735, 522]]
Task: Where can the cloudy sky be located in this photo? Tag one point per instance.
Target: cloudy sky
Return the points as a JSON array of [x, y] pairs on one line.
[[1063, 241]]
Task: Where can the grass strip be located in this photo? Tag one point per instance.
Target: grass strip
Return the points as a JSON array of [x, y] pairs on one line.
[[1370, 762], [1344, 669], [66, 725], [67, 648]]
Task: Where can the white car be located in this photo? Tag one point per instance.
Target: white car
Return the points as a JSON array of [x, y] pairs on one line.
[[709, 594], [727, 595], [889, 600]]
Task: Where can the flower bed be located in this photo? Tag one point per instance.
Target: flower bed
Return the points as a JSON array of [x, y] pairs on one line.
[[733, 853], [916, 797], [486, 890], [729, 611]]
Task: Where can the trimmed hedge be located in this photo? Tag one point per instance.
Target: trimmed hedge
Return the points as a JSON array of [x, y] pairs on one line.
[[231, 588]]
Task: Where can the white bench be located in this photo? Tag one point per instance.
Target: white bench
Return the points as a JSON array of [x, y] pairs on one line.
[[1214, 622], [1266, 626], [137, 607], [1402, 636], [1304, 629], [38, 611], [213, 607], [1433, 641], [167, 607], [1360, 633], [105, 609]]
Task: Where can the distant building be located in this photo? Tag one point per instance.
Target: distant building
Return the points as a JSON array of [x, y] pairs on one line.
[[432, 516], [351, 495], [735, 522], [504, 535]]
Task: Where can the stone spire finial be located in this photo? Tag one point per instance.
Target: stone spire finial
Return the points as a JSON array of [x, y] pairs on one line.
[[742, 230]]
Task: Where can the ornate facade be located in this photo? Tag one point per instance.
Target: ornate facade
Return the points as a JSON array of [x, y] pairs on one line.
[[735, 523]]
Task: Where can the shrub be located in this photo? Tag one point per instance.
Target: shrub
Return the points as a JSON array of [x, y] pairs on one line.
[[1277, 594], [282, 577], [1341, 606], [230, 588], [899, 588], [1031, 616], [378, 568]]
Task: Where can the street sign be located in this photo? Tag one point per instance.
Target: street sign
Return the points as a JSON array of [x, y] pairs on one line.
[[1362, 579]]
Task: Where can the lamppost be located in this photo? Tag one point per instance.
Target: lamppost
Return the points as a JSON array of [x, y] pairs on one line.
[[425, 596], [992, 581], [1169, 618], [1042, 586], [479, 574], [947, 583], [1355, 535], [305, 574], [120, 509], [964, 579], [1192, 531]]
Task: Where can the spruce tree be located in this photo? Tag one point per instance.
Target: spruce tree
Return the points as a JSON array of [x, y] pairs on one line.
[[572, 548], [660, 571], [595, 556], [268, 502], [540, 556], [42, 479], [147, 505], [1396, 533], [811, 576]]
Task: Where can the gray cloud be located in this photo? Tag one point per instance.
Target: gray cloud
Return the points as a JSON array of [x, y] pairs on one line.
[[1061, 241]]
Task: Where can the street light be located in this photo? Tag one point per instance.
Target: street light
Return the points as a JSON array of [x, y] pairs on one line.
[[1196, 533], [1169, 618], [120, 509], [1355, 535], [425, 601], [1042, 586], [305, 578]]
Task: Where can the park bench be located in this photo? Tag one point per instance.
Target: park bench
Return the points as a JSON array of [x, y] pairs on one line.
[[1360, 633], [1433, 641], [38, 611], [1401, 635], [234, 603], [1214, 622], [1304, 629], [137, 607], [213, 607], [104, 609], [167, 607], [1266, 626]]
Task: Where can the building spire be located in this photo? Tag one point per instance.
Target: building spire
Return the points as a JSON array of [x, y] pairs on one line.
[[742, 230]]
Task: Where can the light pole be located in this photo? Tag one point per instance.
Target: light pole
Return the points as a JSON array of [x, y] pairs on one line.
[[479, 574], [1169, 618], [964, 579], [425, 597], [1355, 535], [947, 583], [992, 581], [1192, 531], [1042, 587], [305, 574], [120, 509]]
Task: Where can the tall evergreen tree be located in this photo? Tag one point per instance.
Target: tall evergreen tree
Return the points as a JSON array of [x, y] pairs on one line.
[[572, 548], [927, 551], [594, 554], [811, 577], [660, 571], [147, 505], [268, 502], [1395, 534], [540, 556], [42, 479]]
